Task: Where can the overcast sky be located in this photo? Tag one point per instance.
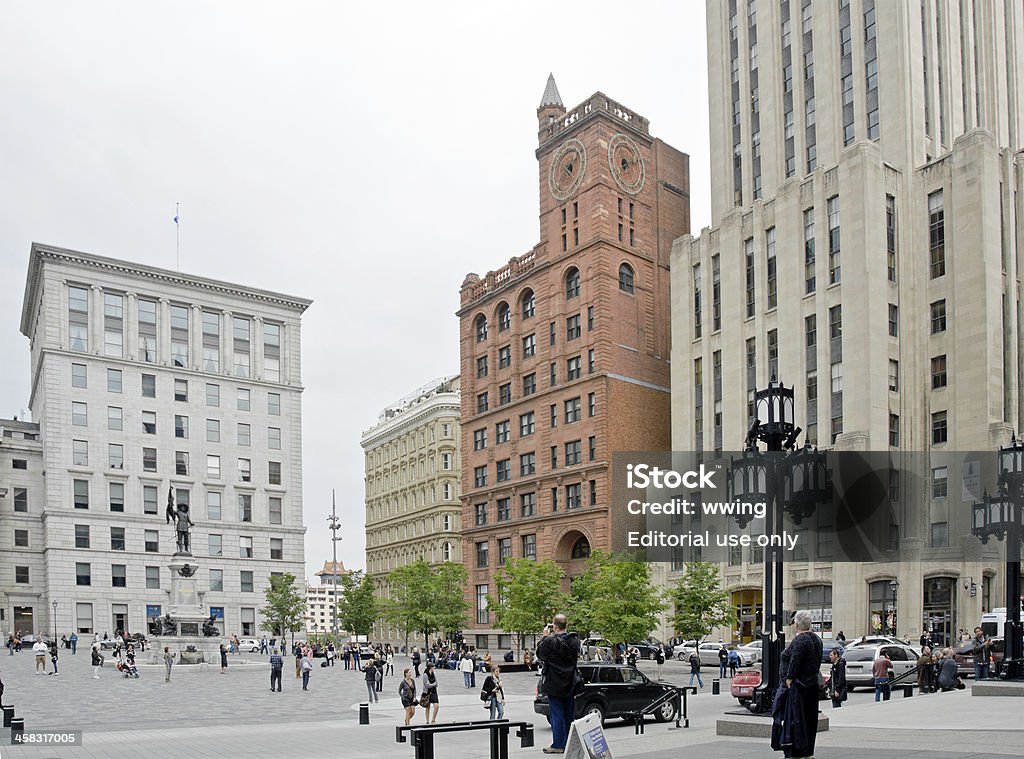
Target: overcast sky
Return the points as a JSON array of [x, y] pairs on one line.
[[364, 155]]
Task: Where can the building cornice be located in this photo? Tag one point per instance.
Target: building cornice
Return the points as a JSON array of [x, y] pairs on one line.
[[413, 416]]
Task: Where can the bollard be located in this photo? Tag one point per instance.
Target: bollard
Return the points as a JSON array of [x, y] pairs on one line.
[[716, 687], [364, 714], [908, 691], [17, 726], [8, 715]]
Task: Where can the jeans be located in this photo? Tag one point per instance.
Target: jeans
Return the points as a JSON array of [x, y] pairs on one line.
[[371, 697], [496, 708], [472, 679], [305, 680], [697, 675], [465, 678], [980, 671], [74, 646], [275, 679], [721, 670], [881, 685], [561, 709]]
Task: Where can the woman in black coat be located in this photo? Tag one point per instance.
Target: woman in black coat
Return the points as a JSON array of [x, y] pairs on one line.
[[800, 664], [837, 678]]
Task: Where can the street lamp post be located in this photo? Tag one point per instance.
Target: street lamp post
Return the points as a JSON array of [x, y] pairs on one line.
[[333, 524], [55, 620], [894, 586]]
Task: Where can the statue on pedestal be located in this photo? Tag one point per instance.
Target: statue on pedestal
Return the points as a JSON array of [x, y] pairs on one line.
[[183, 522], [165, 626], [210, 627]]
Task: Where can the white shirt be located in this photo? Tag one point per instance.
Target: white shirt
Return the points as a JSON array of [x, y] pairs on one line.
[[40, 648], [466, 664]]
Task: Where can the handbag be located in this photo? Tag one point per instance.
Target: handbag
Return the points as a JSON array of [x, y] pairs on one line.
[[425, 699], [485, 696]]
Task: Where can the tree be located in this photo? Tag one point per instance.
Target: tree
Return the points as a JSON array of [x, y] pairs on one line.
[[448, 597], [581, 596], [700, 603], [357, 604], [624, 603], [409, 606], [285, 607], [529, 594]]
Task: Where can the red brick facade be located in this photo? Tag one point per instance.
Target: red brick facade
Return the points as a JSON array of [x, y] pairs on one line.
[[616, 325]]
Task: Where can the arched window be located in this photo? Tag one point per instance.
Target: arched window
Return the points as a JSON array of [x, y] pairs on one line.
[[504, 317], [572, 283], [529, 304], [626, 278], [446, 551], [481, 328], [581, 549]]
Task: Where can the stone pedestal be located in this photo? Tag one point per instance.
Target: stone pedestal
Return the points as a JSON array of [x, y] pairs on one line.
[[186, 610]]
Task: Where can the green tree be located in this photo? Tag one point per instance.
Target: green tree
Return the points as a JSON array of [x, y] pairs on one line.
[[448, 598], [625, 604], [529, 594], [409, 605], [357, 604], [700, 603], [285, 608], [581, 596]]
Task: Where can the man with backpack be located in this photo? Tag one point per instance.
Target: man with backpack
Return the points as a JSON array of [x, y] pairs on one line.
[[560, 652]]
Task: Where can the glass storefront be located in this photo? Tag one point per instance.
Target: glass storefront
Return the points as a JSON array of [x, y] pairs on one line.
[[749, 611], [817, 599], [881, 608], [940, 609]]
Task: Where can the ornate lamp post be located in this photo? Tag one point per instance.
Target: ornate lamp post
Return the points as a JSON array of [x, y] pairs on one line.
[[786, 481], [1002, 516], [334, 524], [894, 585]]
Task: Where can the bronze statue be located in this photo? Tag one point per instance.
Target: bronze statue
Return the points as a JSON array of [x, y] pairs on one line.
[[165, 625], [180, 515], [210, 627], [187, 571]]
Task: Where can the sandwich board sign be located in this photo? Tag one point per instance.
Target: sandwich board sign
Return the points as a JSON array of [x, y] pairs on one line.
[[587, 740]]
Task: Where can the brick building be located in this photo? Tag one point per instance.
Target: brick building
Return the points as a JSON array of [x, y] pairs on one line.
[[564, 351]]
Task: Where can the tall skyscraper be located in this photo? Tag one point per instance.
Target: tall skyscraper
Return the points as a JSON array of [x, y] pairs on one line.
[[565, 349], [865, 247], [145, 379]]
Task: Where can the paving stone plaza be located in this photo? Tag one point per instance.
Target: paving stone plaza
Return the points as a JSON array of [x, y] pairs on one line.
[[207, 714]]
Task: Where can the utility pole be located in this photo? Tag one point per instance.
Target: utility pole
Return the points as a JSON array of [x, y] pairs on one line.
[[334, 525]]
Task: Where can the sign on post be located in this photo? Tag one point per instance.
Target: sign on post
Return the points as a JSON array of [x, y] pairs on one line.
[[587, 739]]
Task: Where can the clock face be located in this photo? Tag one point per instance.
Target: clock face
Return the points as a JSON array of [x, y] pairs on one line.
[[626, 163], [568, 165]]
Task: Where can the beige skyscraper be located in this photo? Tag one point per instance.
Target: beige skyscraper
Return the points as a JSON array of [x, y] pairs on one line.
[[864, 247]]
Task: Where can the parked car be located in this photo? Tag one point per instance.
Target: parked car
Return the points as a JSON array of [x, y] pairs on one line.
[[874, 640], [683, 650], [860, 660], [648, 647], [742, 685], [27, 641], [708, 653], [615, 690], [826, 647], [248, 645], [596, 649], [752, 650], [964, 657]]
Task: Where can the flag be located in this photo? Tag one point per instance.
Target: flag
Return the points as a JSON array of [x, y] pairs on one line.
[[175, 218]]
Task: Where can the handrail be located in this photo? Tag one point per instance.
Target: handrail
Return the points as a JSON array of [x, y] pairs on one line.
[[423, 735], [677, 692]]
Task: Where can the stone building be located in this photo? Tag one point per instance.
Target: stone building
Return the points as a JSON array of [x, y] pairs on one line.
[[865, 247], [145, 379], [565, 349], [322, 599]]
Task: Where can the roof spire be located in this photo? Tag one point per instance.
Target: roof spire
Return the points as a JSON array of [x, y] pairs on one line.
[[551, 96]]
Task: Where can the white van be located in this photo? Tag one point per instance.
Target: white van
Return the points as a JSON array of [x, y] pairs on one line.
[[993, 623]]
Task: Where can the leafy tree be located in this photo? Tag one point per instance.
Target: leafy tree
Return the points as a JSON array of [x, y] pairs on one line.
[[581, 596], [701, 604], [410, 603], [625, 604], [357, 604], [529, 595], [285, 607], [448, 597]]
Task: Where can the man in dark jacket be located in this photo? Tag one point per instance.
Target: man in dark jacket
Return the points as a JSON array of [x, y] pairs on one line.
[[560, 651]]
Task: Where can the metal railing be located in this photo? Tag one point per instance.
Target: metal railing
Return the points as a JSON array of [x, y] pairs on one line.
[[677, 694], [423, 735]]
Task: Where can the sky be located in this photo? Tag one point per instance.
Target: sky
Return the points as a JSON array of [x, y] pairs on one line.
[[364, 155]]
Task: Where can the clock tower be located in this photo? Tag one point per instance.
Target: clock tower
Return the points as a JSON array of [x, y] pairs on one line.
[[564, 350]]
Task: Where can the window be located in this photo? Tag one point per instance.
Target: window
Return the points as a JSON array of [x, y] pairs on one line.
[[245, 470], [573, 368], [590, 361], [180, 426], [216, 545], [890, 236], [696, 301], [504, 509], [527, 464], [773, 352], [78, 318], [572, 283], [481, 367], [179, 335], [81, 494], [572, 327], [940, 433], [482, 550], [505, 394], [894, 430], [149, 386], [503, 470], [574, 495], [211, 342], [213, 502], [593, 492], [153, 578], [149, 459], [938, 310], [245, 547], [114, 383], [810, 282], [936, 235], [151, 540], [79, 376], [81, 536], [213, 430], [527, 424], [480, 439], [894, 320], [504, 550], [505, 356], [80, 453], [939, 534], [149, 422], [244, 434], [626, 278], [115, 418], [554, 457], [274, 510], [149, 498], [274, 472], [716, 294], [894, 375], [241, 343], [481, 328], [480, 476], [573, 453], [482, 617], [591, 404], [147, 330], [274, 438], [245, 578], [181, 463], [590, 318], [529, 303], [272, 352], [748, 251], [213, 466], [573, 412], [530, 384], [528, 504], [592, 448], [116, 494], [216, 579], [554, 499], [553, 380], [21, 538], [244, 396], [21, 500], [480, 513], [832, 208], [113, 325], [939, 482], [83, 572], [79, 414], [212, 394], [481, 403], [118, 576], [274, 404], [529, 347], [446, 461], [502, 432], [938, 372]]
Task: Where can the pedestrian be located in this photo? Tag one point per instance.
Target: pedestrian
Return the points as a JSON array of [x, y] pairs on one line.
[[10, 644], [880, 672], [223, 658], [389, 660], [430, 693], [73, 640], [97, 661], [416, 659], [659, 659], [330, 653], [734, 662], [378, 666], [356, 654], [924, 671], [370, 675], [276, 668], [632, 655], [695, 669], [948, 678], [495, 693], [40, 651], [54, 656], [263, 645], [306, 667], [297, 653], [466, 666], [560, 652], [841, 637], [799, 669], [407, 692], [982, 650], [723, 659], [837, 677], [168, 662], [346, 655]]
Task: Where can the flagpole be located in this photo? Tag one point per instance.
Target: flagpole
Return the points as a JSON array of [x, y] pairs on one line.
[[177, 237]]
